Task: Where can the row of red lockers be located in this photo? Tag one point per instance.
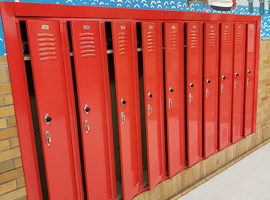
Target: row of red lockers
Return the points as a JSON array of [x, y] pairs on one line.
[[220, 61]]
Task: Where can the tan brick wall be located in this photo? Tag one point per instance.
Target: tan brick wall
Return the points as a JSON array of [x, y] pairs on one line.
[[12, 185]]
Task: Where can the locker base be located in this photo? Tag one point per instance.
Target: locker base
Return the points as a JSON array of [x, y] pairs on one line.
[[225, 146], [237, 140], [190, 165], [211, 154]]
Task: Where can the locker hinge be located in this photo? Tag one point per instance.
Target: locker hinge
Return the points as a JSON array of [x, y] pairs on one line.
[[123, 117], [48, 138]]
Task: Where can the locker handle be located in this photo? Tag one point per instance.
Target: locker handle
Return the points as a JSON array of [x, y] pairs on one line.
[[123, 117], [235, 84], [190, 97], [86, 125], [47, 119], [207, 93], [222, 88], [170, 103], [48, 138], [149, 109], [248, 81]]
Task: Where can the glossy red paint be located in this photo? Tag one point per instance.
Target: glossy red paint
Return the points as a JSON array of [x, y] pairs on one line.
[[210, 82], [123, 48], [194, 88], [90, 91], [153, 93], [249, 82], [175, 100], [238, 81], [225, 90], [48, 74]]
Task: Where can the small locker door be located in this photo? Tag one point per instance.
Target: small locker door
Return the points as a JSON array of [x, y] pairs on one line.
[[225, 97], [249, 82], [124, 64], [194, 92], [48, 74], [211, 69], [90, 90], [238, 81], [154, 101], [175, 100]]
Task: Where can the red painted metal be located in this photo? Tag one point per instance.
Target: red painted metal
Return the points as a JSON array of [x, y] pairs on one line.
[[249, 82], [90, 90], [153, 84], [175, 100], [211, 71], [123, 48], [194, 88], [238, 81], [48, 74], [225, 90]]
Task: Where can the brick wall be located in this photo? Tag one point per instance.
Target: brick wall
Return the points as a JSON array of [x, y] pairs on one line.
[[12, 185]]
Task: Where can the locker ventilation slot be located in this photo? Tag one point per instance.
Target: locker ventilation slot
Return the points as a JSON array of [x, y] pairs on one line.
[[88, 45], [47, 47], [173, 40], [211, 38], [151, 42], [123, 43]]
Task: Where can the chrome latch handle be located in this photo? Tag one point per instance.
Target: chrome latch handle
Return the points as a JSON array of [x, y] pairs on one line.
[[86, 125], [222, 88], [190, 97], [248, 80], [170, 103], [123, 117], [207, 93], [235, 84], [48, 138], [149, 109]]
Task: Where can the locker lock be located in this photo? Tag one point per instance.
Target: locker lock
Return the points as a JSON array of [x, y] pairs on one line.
[[47, 119], [236, 74], [248, 71], [123, 102], [150, 95], [170, 90], [86, 109], [208, 81], [223, 77], [191, 85]]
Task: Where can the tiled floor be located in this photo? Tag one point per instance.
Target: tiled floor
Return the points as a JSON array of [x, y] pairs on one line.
[[248, 179]]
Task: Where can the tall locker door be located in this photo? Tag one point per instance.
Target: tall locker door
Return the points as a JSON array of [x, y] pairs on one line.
[[154, 101], [249, 82], [194, 88], [124, 64], [225, 96], [50, 89], [238, 81], [175, 100], [211, 69], [90, 90]]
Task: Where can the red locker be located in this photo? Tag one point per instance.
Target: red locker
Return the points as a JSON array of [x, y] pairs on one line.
[[249, 82], [124, 64], [238, 81], [225, 97], [175, 100], [194, 88], [154, 101], [211, 70], [48, 74], [90, 91]]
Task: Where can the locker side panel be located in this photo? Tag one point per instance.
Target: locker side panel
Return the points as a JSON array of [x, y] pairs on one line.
[[174, 80], [50, 89], [152, 67], [249, 82], [226, 79], [125, 91], [211, 70], [239, 81], [90, 91], [194, 37]]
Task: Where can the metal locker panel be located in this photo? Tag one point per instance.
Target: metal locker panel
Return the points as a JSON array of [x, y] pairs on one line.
[[211, 70], [249, 82], [153, 92], [238, 81], [194, 88], [50, 91], [125, 91], [90, 90], [225, 90], [175, 100]]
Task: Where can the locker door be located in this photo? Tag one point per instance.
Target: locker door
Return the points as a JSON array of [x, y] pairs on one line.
[[194, 92], [90, 91], [175, 100], [50, 90], [249, 82], [225, 98], [239, 81], [211, 69], [125, 91], [153, 89]]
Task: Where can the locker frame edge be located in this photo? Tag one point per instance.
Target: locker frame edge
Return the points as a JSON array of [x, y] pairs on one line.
[[11, 10]]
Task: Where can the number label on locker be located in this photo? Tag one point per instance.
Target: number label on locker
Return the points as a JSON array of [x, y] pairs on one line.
[[250, 75], [154, 106], [225, 96], [48, 74], [175, 100], [194, 92], [87, 46], [239, 81], [124, 66], [211, 69]]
